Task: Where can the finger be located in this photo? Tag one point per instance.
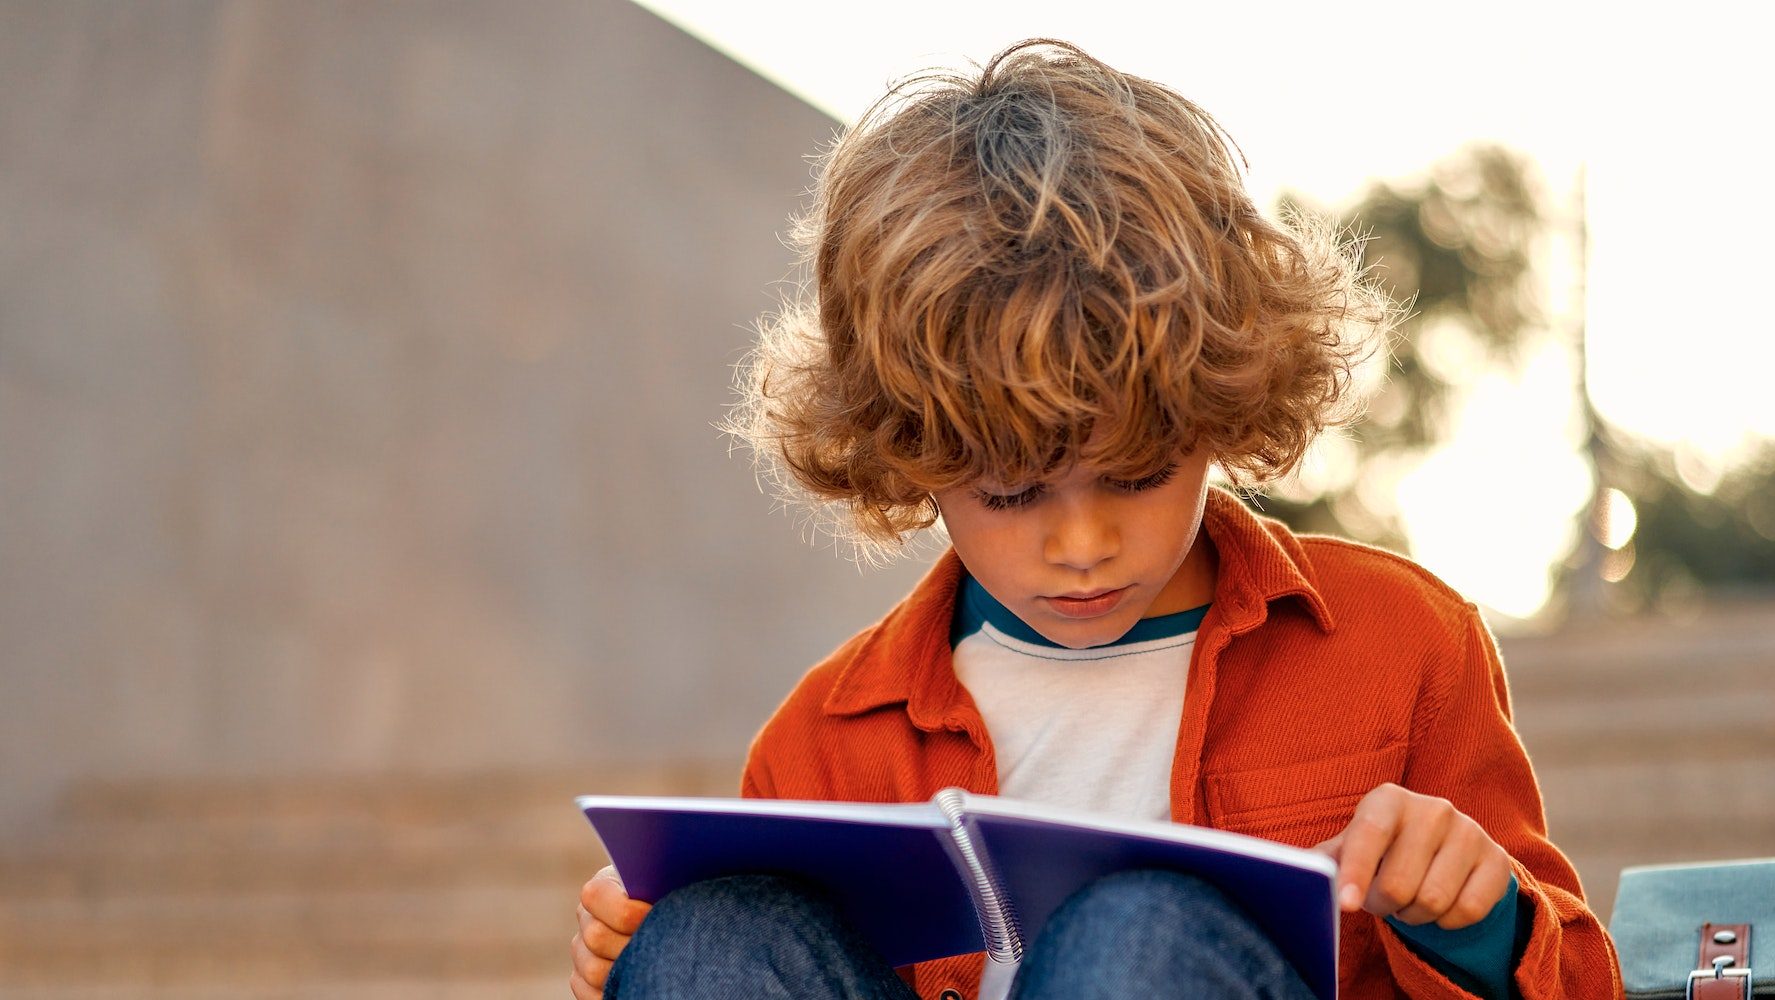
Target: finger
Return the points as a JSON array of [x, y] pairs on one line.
[[634, 912], [583, 990], [1363, 842], [1444, 878], [595, 934], [1423, 828], [1330, 848], [632, 915], [609, 904], [604, 941], [624, 916], [594, 969], [1483, 890]]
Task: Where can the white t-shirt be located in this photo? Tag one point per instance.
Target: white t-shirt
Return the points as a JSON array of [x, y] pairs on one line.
[[1092, 729]]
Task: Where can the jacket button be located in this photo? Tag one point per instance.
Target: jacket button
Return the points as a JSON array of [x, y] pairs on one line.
[[949, 995]]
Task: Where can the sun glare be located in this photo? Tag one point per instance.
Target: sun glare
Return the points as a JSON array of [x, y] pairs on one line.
[[1618, 519], [1493, 511]]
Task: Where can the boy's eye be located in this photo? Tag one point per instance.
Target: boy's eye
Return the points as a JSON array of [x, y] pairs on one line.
[[1028, 495], [1151, 482], [1000, 501]]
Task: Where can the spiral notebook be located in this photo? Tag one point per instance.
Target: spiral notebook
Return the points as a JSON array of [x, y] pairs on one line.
[[962, 873]]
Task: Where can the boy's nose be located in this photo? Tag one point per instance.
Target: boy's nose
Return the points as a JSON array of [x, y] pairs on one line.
[[1080, 539]]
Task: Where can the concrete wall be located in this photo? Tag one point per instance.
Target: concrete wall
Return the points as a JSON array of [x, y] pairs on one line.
[[357, 371]]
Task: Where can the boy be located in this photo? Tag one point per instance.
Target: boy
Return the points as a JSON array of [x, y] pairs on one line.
[[1045, 306]]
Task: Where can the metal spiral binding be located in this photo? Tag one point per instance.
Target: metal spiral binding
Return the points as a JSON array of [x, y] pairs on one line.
[[998, 921]]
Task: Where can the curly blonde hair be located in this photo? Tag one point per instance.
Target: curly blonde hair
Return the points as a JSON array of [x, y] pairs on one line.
[[1048, 262]]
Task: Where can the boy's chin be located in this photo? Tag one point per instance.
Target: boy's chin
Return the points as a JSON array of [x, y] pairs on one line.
[[1084, 633]]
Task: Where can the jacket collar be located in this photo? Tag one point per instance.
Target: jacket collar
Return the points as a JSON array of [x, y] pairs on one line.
[[906, 657]]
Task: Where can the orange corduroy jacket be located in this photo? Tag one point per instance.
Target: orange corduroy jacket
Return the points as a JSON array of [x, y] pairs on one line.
[[1323, 669]]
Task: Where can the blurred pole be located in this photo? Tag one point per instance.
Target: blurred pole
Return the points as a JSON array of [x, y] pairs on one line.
[[1585, 584]]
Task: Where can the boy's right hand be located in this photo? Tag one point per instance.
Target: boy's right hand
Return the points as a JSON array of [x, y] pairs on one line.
[[607, 918]]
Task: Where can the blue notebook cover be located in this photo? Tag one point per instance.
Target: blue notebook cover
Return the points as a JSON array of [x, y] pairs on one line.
[[962, 873], [887, 867]]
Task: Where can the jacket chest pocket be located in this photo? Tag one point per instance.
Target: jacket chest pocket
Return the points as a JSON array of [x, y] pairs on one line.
[[1301, 803]]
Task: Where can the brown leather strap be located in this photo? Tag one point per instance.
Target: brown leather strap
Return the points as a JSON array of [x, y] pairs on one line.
[[1722, 970]]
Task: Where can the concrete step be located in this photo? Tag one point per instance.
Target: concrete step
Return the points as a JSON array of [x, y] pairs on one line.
[[194, 964], [1606, 815], [256, 854], [1688, 805], [449, 912], [51, 872], [369, 988], [285, 936], [1731, 640], [221, 836], [335, 887], [1713, 722], [1648, 691], [381, 799]]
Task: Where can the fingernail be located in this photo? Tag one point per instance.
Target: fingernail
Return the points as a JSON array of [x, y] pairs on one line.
[[1348, 898]]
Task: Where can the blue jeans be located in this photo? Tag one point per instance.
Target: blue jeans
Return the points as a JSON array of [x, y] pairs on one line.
[[1143, 934]]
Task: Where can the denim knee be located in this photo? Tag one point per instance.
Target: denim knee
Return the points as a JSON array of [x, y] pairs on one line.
[[1157, 933], [757, 937], [738, 910], [730, 919]]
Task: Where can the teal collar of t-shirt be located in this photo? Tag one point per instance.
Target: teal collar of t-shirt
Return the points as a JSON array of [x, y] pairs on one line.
[[975, 607]]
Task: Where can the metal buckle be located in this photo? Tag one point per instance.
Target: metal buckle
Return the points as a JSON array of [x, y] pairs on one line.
[[1722, 967]]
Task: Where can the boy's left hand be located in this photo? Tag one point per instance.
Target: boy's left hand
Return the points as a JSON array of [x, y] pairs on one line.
[[1418, 858]]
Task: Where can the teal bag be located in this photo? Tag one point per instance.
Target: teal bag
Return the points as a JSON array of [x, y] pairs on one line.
[[1694, 930]]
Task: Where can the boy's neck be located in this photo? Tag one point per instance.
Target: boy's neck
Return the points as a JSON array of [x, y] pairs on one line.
[[1193, 584]]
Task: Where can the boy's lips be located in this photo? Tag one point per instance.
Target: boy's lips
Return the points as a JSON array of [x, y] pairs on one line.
[[1088, 604]]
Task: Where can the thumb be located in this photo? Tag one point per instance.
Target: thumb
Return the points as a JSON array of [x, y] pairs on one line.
[[609, 874], [1330, 848]]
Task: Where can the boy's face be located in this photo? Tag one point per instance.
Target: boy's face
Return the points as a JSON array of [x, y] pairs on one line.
[[1081, 558]]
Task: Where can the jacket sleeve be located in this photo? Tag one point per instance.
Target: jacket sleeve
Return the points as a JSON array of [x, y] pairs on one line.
[[1465, 749]]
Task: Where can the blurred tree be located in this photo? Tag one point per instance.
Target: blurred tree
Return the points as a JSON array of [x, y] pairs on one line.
[[1691, 529], [1457, 248]]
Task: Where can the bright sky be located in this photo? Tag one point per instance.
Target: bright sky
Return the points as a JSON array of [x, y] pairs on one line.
[[1666, 111]]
